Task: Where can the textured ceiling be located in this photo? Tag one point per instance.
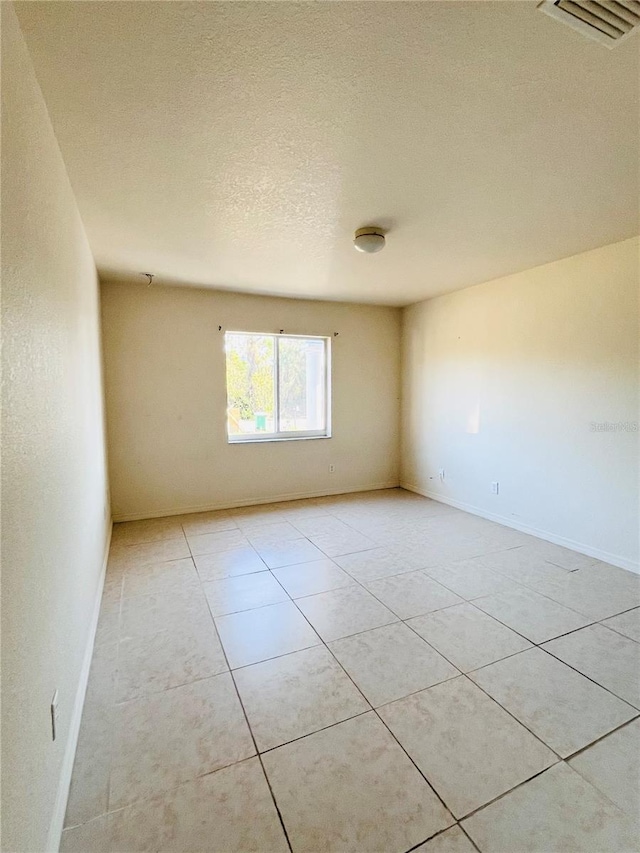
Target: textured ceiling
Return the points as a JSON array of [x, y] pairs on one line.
[[239, 145]]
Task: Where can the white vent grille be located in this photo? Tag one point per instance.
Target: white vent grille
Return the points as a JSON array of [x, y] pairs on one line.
[[606, 21]]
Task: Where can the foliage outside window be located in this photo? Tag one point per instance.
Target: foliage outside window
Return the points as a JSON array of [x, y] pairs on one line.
[[277, 386]]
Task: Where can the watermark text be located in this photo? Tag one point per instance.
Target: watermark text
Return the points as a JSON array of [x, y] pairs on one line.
[[613, 426]]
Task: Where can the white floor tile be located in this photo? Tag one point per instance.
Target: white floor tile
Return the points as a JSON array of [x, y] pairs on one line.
[[297, 694], [263, 633], [312, 578], [89, 789], [612, 765], [348, 541], [450, 841], [230, 810], [214, 543], [163, 740], [391, 662], [598, 591], [91, 837], [152, 663], [174, 576], [244, 592], [560, 706], [215, 521], [627, 624], [534, 616], [289, 553], [558, 812], [605, 656], [377, 563], [412, 593], [345, 611], [148, 530], [471, 579], [227, 564], [468, 637], [272, 534], [352, 788], [124, 556], [468, 747], [144, 615]]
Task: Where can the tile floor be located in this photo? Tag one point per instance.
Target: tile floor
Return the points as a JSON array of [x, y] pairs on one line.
[[372, 673]]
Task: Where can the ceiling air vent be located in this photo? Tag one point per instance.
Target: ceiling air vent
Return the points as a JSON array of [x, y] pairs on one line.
[[607, 21]]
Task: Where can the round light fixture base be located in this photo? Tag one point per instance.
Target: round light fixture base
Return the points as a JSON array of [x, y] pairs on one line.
[[369, 239]]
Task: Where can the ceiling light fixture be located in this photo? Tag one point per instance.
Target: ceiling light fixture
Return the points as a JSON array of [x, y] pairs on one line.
[[369, 239]]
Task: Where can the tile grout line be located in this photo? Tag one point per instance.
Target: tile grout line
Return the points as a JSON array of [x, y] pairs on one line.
[[425, 569], [617, 630], [384, 724], [535, 776], [540, 645], [419, 691], [588, 677], [593, 784], [601, 738], [535, 643], [315, 731], [511, 790], [448, 660], [432, 837], [471, 841], [529, 587], [286, 654], [361, 584], [532, 589], [466, 675], [562, 758], [264, 772], [325, 643], [435, 580], [115, 705], [253, 739]]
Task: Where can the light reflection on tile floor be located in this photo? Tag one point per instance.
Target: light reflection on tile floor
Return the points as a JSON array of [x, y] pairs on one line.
[[356, 673]]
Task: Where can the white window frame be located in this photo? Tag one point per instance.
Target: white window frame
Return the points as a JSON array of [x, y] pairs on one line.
[[282, 435]]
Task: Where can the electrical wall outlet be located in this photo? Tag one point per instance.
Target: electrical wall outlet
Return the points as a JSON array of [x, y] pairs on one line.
[[495, 488], [54, 715], [441, 474], [332, 469]]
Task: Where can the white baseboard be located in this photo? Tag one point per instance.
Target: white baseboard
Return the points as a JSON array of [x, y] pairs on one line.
[[291, 496], [57, 821], [580, 547]]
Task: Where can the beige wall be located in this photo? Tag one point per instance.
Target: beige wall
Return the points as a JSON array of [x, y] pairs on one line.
[[54, 507], [501, 382], [166, 400]]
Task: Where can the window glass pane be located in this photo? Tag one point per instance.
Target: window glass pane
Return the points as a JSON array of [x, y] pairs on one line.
[[301, 375], [250, 384]]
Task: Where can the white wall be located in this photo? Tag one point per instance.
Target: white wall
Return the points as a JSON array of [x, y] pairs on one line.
[[501, 382], [166, 400], [54, 502]]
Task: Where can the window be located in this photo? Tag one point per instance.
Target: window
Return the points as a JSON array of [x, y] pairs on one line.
[[277, 387]]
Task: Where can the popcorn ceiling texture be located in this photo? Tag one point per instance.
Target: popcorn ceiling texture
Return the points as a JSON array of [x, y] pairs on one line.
[[239, 145]]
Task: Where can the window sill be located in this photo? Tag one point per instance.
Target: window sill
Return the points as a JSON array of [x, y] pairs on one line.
[[270, 439]]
